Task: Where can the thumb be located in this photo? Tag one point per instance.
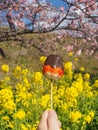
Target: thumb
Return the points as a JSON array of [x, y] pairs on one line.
[[53, 123], [43, 122]]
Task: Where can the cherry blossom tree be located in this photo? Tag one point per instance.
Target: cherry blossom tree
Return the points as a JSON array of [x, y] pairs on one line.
[[76, 18]]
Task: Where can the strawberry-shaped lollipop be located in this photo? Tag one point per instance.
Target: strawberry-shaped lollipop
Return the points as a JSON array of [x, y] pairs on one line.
[[53, 67]]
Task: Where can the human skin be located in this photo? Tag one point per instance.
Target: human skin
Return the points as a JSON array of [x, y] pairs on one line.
[[49, 121]]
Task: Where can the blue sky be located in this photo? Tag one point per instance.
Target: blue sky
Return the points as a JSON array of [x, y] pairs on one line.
[[57, 3]]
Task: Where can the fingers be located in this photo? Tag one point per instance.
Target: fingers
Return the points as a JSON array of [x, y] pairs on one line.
[[53, 123], [49, 121], [43, 122], [59, 124]]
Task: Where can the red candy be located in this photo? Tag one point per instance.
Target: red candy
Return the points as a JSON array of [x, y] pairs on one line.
[[53, 67]]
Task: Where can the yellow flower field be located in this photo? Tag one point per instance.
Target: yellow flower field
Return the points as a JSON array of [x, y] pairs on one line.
[[25, 94]]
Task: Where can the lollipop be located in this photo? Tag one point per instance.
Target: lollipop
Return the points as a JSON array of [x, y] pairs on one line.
[[53, 69]]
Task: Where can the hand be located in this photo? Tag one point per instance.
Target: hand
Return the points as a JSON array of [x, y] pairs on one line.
[[49, 121]]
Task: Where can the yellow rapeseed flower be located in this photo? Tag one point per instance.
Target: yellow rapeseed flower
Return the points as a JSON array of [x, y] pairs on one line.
[[7, 78], [91, 113], [75, 116], [10, 125], [57, 101], [5, 118], [24, 71], [37, 78], [34, 101], [44, 101], [22, 97], [70, 53], [33, 128], [5, 68], [64, 107], [29, 126], [18, 69], [20, 114], [35, 125], [90, 94], [76, 59], [19, 87], [78, 86], [82, 69], [68, 66], [17, 72], [26, 83], [95, 84], [87, 76], [6, 94], [23, 127], [61, 91], [71, 93], [10, 105], [42, 59], [88, 119]]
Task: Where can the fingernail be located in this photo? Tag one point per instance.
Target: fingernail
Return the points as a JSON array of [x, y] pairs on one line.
[[52, 113]]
